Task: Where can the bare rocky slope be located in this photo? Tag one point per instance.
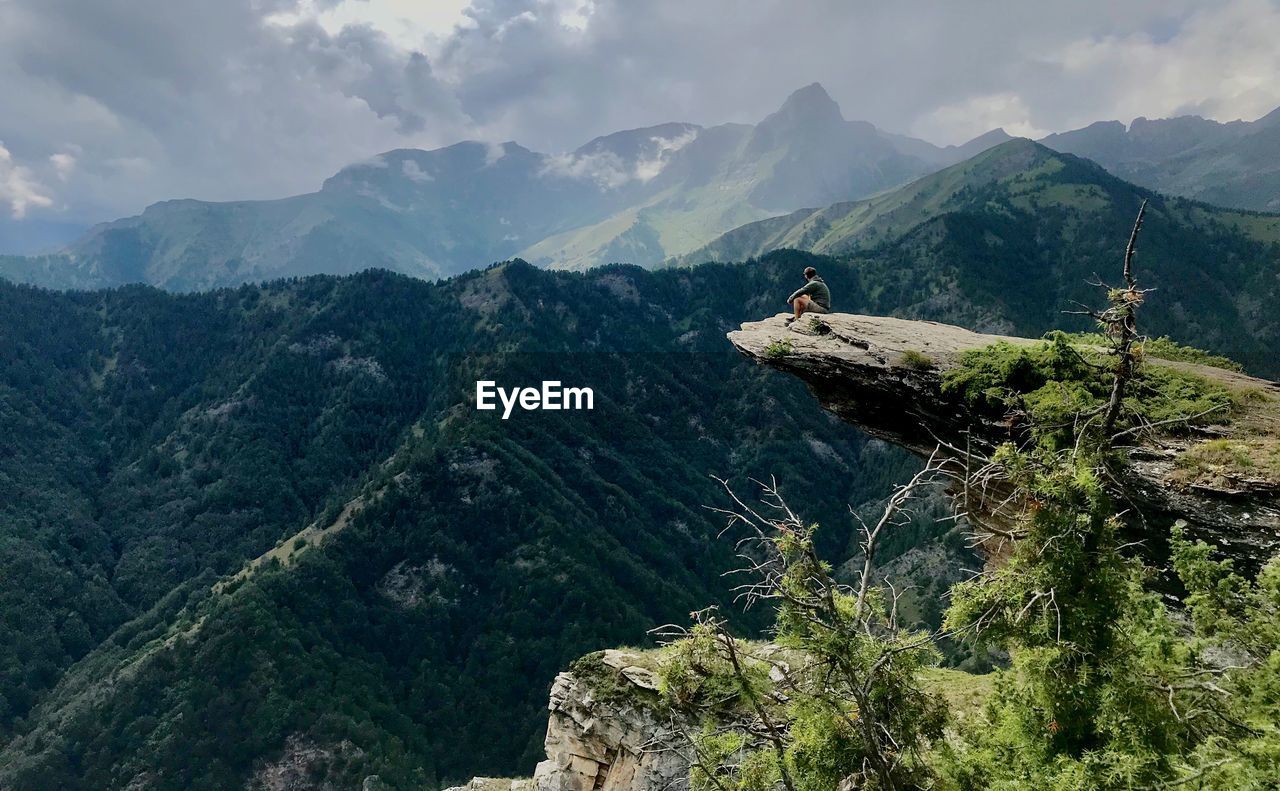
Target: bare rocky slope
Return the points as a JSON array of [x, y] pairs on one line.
[[884, 375]]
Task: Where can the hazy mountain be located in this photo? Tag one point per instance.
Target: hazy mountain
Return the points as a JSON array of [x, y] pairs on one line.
[[419, 212], [638, 196], [1234, 164], [635, 196], [804, 154], [1020, 210]]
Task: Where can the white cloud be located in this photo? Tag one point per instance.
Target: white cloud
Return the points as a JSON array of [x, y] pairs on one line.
[[610, 171], [410, 24], [576, 15], [663, 147], [1223, 62], [64, 164], [605, 168], [414, 172], [18, 187], [494, 152], [965, 120], [265, 98]]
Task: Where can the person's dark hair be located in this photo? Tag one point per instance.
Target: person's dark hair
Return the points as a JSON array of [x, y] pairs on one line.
[[810, 272]]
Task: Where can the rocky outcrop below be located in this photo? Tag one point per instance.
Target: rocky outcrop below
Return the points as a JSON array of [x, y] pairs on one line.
[[302, 766], [885, 375], [607, 731], [495, 784]]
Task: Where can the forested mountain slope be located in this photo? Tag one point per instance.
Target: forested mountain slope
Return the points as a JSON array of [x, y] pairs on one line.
[[158, 442], [454, 561]]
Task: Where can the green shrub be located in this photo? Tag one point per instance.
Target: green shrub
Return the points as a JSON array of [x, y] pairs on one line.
[[1164, 348], [916, 360], [778, 349], [1057, 386]]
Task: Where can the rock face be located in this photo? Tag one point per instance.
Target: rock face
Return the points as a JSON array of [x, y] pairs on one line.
[[610, 736], [301, 762], [884, 375], [607, 732]]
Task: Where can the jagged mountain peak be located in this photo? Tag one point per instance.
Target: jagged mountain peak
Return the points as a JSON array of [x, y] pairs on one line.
[[811, 98], [808, 105]]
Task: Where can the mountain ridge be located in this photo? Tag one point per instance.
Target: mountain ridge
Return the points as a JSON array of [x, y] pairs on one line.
[[1232, 164], [636, 195], [164, 442], [642, 195]]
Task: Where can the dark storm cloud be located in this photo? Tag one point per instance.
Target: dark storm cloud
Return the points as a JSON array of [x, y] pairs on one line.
[[110, 104], [894, 64], [360, 62]]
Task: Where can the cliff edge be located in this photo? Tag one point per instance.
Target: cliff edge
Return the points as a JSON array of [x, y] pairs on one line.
[[885, 376]]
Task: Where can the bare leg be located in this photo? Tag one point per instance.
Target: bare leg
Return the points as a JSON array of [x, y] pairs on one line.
[[800, 304]]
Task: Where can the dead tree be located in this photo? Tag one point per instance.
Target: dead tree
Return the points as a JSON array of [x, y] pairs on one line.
[[1121, 323], [851, 642]]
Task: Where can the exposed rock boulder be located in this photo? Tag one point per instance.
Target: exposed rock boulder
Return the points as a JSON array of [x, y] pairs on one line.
[[885, 374], [302, 766], [606, 729]]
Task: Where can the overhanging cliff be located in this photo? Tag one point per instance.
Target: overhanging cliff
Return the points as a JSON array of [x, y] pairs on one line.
[[885, 375]]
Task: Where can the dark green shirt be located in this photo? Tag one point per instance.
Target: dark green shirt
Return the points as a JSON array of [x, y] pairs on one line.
[[817, 291]]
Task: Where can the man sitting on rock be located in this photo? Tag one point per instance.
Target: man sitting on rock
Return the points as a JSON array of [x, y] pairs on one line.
[[812, 297]]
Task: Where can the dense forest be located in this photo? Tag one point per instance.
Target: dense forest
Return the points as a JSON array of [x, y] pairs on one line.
[[158, 442], [153, 444]]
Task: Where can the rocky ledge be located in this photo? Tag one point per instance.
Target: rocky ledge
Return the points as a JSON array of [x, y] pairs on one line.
[[884, 375]]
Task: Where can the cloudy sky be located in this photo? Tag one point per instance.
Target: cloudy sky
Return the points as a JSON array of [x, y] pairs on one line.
[[108, 105]]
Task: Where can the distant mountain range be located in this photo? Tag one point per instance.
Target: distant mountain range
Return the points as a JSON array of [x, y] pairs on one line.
[[638, 196], [1235, 164], [641, 196]]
